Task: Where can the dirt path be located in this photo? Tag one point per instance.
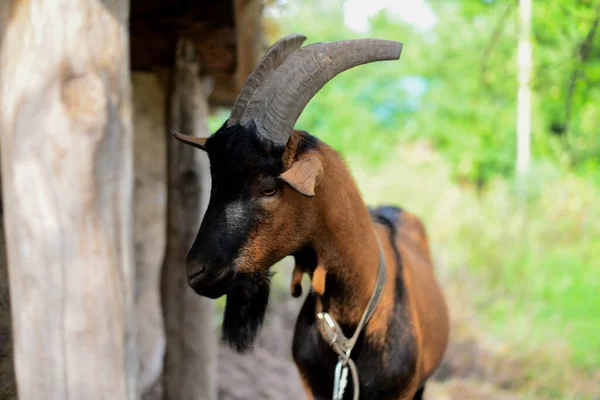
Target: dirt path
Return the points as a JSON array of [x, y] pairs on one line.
[[464, 389]]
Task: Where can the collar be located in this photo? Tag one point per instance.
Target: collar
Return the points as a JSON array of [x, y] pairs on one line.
[[334, 336]]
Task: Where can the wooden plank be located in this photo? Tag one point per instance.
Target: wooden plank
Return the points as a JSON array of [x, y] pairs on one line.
[[65, 129], [190, 359]]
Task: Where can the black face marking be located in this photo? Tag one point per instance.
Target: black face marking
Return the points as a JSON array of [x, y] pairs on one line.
[[240, 165], [244, 170]]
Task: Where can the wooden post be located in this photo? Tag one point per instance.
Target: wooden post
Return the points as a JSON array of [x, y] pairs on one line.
[[248, 37], [190, 359], [65, 129], [150, 166]]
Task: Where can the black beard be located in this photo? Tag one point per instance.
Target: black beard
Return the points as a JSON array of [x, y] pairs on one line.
[[245, 311]]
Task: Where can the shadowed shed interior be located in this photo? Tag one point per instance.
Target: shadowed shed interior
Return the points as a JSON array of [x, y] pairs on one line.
[[225, 34]]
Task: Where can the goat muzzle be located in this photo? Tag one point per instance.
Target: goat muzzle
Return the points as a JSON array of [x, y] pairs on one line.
[[210, 283]]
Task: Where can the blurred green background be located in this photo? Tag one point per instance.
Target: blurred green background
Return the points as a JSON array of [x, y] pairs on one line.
[[436, 133]]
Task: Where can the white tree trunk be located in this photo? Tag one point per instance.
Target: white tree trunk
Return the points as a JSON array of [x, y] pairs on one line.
[[190, 360], [65, 129], [150, 165], [524, 94]]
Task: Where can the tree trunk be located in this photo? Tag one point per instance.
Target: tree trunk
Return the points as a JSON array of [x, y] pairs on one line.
[[190, 360], [65, 129], [150, 165]]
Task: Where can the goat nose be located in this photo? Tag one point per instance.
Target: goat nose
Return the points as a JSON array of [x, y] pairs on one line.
[[195, 269]]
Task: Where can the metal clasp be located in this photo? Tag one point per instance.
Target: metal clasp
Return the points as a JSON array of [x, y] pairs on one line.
[[329, 321], [327, 317], [340, 380]]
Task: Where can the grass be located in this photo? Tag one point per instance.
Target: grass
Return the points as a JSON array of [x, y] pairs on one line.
[[534, 261]]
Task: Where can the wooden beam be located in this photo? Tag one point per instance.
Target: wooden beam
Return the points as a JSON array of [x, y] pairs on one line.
[[65, 131], [190, 359]]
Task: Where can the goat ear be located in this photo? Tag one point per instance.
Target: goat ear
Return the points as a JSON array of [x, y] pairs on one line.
[[304, 175], [199, 143]]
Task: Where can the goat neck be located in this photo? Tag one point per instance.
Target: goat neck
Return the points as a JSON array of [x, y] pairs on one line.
[[344, 241]]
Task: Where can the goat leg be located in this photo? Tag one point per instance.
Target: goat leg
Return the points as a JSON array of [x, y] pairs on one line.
[[296, 287], [318, 280]]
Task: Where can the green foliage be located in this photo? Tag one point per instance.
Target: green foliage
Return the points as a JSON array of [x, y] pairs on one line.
[[456, 85]]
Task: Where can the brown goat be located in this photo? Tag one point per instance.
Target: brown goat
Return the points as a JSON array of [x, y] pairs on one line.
[[278, 192]]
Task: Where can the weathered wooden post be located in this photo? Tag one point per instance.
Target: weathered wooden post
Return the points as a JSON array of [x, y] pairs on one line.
[[65, 134], [248, 37], [150, 198], [190, 359]]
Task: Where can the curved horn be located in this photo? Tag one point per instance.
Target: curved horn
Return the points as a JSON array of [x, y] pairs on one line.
[[275, 55], [281, 98]]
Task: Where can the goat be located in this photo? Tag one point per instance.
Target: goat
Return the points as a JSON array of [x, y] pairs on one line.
[[277, 191]]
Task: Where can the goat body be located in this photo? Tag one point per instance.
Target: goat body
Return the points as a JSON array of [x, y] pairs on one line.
[[407, 336]]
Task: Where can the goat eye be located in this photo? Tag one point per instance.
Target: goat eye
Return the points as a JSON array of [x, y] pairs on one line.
[[268, 191]]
